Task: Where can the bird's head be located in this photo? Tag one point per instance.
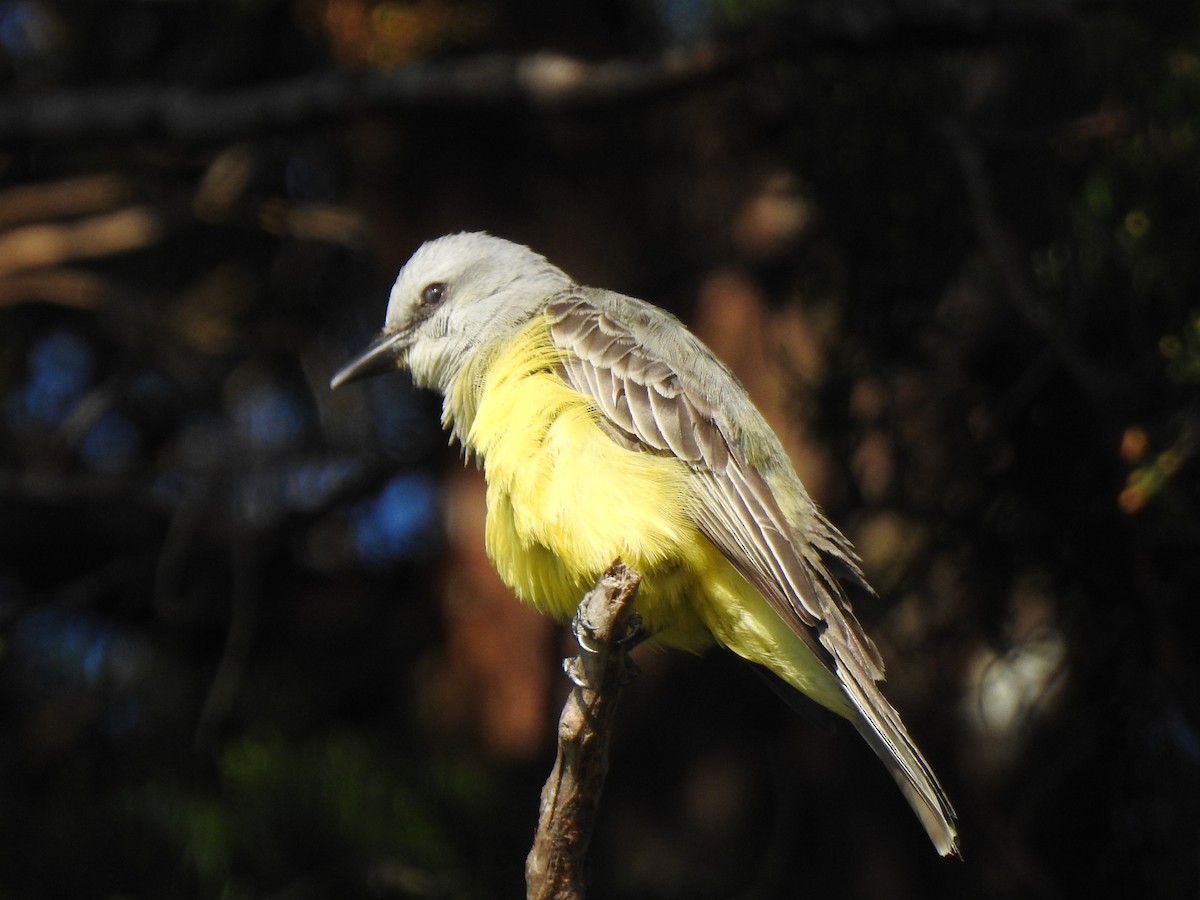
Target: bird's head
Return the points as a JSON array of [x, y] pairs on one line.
[[456, 293]]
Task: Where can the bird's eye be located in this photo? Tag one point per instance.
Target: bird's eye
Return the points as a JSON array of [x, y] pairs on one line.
[[433, 294]]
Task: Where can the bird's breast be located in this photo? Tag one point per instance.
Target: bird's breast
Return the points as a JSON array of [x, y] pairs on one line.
[[564, 499]]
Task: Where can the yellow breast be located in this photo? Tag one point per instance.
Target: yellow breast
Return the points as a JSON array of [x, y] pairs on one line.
[[564, 499]]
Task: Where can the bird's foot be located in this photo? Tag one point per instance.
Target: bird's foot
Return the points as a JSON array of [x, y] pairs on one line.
[[585, 633], [574, 669], [585, 636], [636, 633]]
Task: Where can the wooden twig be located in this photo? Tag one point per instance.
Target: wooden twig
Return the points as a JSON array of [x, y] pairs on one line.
[[571, 796], [540, 81]]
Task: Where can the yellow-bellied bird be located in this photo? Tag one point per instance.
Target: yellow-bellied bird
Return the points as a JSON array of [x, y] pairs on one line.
[[607, 430]]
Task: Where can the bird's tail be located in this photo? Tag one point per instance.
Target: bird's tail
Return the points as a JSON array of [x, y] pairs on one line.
[[880, 725], [845, 684]]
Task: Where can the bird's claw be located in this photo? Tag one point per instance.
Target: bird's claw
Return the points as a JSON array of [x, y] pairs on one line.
[[574, 670], [585, 634]]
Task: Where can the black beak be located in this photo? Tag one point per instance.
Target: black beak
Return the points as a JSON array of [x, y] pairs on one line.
[[378, 359]]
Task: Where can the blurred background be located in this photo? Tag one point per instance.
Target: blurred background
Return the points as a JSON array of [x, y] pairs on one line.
[[250, 643]]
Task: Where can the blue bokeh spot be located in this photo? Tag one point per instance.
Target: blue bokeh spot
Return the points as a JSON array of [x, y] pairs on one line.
[[401, 523]]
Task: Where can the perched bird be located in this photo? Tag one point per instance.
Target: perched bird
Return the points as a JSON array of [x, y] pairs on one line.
[[607, 430]]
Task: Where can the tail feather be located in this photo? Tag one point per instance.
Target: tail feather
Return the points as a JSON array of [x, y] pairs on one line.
[[880, 725]]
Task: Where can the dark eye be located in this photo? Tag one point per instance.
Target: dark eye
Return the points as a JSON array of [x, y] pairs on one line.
[[433, 294]]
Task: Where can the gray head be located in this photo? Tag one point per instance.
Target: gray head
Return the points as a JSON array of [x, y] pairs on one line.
[[456, 293]]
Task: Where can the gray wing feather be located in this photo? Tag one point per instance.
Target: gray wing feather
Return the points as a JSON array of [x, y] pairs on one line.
[[653, 382]]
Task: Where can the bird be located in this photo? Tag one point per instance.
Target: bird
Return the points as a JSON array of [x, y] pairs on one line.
[[606, 430]]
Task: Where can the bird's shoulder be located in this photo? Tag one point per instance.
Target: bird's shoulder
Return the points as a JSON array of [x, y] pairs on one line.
[[622, 345], [646, 342], [619, 345]]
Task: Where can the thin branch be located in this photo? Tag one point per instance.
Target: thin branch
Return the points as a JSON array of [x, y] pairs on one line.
[[571, 796], [59, 285], [542, 81], [26, 203], [54, 243]]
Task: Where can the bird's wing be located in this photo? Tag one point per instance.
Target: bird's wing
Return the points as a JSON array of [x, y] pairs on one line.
[[656, 386], [654, 398]]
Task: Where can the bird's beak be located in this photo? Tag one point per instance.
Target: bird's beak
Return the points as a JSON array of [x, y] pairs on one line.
[[381, 357]]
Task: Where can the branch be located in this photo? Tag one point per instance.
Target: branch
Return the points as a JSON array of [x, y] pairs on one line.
[[571, 796], [545, 81], [541, 81]]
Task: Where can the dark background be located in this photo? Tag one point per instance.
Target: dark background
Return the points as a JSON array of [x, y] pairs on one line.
[[250, 645]]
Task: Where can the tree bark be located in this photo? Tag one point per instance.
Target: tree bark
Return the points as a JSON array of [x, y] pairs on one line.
[[571, 796]]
